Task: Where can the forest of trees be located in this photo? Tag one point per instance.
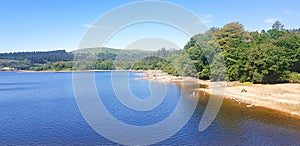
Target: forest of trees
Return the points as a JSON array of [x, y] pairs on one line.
[[271, 56], [39, 57], [28, 60]]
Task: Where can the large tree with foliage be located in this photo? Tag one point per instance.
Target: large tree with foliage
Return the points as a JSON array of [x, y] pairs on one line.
[[259, 57]]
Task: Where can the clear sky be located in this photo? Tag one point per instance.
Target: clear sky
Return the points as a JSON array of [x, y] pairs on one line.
[[40, 25]]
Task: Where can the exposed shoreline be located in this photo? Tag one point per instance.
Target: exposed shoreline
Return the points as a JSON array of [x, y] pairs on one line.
[[280, 97]]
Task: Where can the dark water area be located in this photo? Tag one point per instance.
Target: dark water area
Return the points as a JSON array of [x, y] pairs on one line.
[[40, 109]]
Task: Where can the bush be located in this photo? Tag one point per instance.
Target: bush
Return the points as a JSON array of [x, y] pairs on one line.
[[295, 77]]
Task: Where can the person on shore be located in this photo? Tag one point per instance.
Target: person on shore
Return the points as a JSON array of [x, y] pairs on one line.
[[244, 90]]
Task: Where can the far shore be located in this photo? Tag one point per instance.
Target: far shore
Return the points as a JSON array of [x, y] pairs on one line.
[[281, 97]]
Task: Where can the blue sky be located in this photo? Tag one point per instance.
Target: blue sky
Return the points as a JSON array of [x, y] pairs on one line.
[[40, 25]]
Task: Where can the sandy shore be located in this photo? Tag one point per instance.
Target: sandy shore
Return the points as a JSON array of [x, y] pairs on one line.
[[159, 76], [282, 97]]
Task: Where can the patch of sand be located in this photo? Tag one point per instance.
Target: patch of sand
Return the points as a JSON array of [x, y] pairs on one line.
[[282, 97]]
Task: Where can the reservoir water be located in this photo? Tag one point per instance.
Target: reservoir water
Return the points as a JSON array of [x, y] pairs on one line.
[[40, 109]]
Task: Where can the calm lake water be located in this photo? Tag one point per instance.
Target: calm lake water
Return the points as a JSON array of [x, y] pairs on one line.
[[40, 109]]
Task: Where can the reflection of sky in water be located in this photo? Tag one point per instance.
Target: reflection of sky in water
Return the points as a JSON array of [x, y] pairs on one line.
[[44, 112]]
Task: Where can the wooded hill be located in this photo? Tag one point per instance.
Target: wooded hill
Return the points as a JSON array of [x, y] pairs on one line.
[[90, 58], [26, 60]]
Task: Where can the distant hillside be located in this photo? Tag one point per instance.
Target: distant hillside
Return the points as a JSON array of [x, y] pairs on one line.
[[29, 60], [90, 58], [98, 50], [38, 57], [60, 59], [110, 54]]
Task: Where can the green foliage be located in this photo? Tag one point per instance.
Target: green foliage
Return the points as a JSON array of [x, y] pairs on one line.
[[247, 83], [258, 57], [201, 50], [269, 64], [109, 54], [294, 77], [123, 65], [218, 69], [278, 25], [154, 63], [105, 65], [175, 63], [16, 64], [183, 65], [106, 57], [39, 57]]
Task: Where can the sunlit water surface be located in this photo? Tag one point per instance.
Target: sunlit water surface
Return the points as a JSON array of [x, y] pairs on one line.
[[40, 109]]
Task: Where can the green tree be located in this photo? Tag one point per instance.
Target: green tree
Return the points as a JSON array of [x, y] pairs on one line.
[[259, 57], [278, 26], [269, 64]]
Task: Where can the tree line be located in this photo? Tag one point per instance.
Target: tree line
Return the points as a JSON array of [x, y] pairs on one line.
[[39, 57], [271, 56], [29, 60], [231, 53]]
